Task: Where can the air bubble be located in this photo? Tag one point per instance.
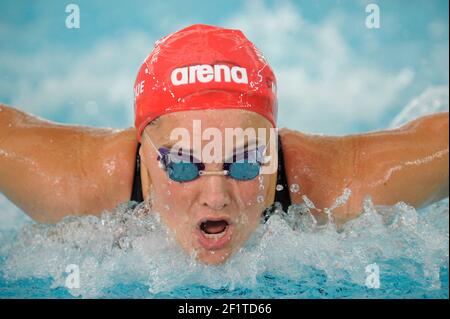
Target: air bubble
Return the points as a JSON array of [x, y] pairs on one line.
[[308, 202], [294, 188], [260, 199], [124, 243]]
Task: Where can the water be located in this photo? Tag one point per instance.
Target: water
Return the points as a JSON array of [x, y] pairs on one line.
[[129, 253], [432, 100]]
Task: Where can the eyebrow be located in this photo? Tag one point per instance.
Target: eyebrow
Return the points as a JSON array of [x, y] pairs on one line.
[[168, 145]]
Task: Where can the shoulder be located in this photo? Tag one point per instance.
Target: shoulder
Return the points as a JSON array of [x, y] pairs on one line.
[[108, 165], [321, 165], [51, 170], [312, 147], [95, 166]]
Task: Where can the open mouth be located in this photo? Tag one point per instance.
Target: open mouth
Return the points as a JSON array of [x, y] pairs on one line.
[[214, 227], [214, 233]]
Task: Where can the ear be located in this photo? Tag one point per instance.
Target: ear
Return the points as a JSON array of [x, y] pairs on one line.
[[146, 181]]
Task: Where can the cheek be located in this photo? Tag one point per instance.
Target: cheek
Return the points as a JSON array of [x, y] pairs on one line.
[[164, 192], [250, 197], [172, 201], [255, 192], [179, 197], [173, 197], [256, 196]]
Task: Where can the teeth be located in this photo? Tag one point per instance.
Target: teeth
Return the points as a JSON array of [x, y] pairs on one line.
[[216, 236]]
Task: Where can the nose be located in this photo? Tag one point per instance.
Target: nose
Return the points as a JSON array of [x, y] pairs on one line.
[[215, 192]]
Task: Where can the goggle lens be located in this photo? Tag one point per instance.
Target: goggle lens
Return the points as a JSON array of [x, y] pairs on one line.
[[182, 170]]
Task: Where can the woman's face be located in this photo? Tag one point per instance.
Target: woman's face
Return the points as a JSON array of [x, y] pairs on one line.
[[213, 215]]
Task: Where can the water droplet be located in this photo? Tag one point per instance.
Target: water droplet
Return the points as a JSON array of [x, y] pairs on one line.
[[124, 242], [169, 193], [261, 186], [279, 187], [167, 207], [260, 199], [308, 202], [260, 178], [341, 200], [294, 188]]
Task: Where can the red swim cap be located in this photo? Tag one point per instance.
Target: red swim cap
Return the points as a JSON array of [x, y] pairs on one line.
[[203, 67]]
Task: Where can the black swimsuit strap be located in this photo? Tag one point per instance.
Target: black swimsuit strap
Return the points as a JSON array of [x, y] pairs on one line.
[[282, 196], [136, 194]]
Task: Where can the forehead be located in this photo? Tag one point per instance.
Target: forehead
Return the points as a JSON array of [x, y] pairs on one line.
[[197, 121]]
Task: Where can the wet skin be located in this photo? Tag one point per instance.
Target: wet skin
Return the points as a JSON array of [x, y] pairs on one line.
[[51, 170]]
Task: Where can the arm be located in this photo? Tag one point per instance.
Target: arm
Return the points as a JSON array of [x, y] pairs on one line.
[[51, 170], [407, 164]]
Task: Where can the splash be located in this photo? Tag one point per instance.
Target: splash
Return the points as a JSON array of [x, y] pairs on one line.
[[432, 100], [289, 256]]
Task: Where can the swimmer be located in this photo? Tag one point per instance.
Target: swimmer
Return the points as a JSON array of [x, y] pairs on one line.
[[200, 82]]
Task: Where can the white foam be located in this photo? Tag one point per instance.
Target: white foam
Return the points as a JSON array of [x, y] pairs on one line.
[[130, 245], [432, 100]]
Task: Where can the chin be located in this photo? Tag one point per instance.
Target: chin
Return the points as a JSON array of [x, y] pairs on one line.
[[213, 257], [207, 256]]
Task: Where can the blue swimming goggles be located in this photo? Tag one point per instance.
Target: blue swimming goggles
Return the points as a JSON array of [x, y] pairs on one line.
[[180, 167]]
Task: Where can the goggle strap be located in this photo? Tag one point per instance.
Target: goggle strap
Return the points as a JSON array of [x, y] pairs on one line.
[[160, 156]]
